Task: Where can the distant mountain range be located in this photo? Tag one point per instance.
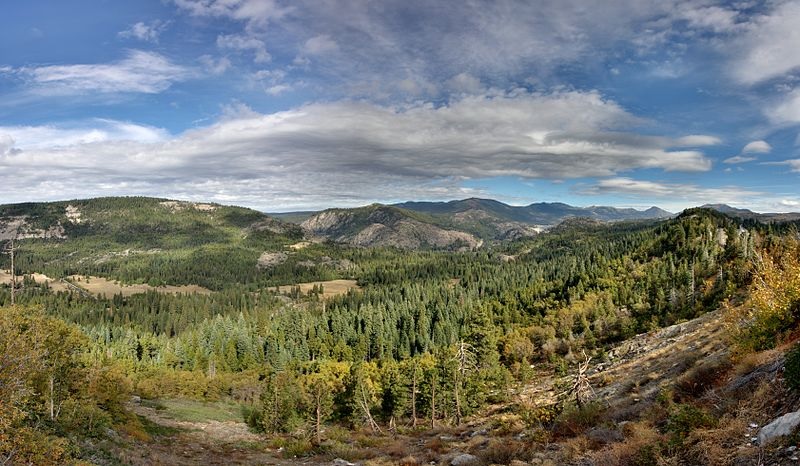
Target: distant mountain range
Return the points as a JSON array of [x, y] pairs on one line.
[[749, 214], [455, 224], [141, 224]]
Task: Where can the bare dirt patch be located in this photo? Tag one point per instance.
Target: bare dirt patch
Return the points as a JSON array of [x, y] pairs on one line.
[[103, 286], [330, 288], [55, 285]]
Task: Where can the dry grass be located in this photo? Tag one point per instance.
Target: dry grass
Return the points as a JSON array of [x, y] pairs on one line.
[[330, 288], [641, 447], [102, 286], [55, 285]]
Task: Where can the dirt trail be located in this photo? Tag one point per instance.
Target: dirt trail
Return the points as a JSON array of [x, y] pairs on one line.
[[204, 443]]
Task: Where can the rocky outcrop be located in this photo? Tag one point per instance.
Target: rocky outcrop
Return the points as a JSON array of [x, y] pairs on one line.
[[780, 427], [387, 227], [271, 259], [20, 228]]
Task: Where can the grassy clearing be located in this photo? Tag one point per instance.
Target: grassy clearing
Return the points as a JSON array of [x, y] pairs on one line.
[[198, 411], [102, 286], [330, 288], [55, 285]]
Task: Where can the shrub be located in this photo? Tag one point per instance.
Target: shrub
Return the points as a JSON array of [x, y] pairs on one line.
[[792, 368], [773, 307], [574, 420], [684, 419]]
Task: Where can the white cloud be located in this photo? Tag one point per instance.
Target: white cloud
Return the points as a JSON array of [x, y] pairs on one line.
[[713, 18], [757, 147], [465, 82], [6, 143], [349, 151], [34, 138], [676, 193], [148, 32], [739, 159], [793, 164], [768, 49], [698, 140], [256, 13], [215, 66], [319, 45], [753, 147], [139, 72], [790, 203], [245, 43], [786, 110]]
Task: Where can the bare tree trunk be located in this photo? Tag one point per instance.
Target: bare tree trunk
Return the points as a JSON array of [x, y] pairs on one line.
[[11, 250], [414, 397], [13, 275], [52, 399], [367, 415], [318, 399], [458, 402], [433, 402]]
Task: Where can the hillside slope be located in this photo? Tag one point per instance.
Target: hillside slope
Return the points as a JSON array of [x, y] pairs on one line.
[[138, 239], [379, 225]]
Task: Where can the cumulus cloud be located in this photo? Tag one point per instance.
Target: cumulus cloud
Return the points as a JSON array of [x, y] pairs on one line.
[[148, 32], [753, 147], [359, 151], [139, 72], [757, 147], [687, 194]]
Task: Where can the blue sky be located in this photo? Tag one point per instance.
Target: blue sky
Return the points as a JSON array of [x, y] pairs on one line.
[[284, 105]]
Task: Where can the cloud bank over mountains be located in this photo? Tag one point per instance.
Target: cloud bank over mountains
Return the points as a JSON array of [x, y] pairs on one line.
[[316, 103]]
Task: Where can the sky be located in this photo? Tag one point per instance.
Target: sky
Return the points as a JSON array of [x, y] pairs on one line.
[[309, 104]]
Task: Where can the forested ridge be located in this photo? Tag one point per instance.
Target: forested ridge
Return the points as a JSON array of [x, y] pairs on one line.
[[429, 339]]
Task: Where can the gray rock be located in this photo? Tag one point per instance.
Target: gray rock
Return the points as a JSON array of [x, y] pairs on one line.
[[780, 427], [341, 462], [464, 459]]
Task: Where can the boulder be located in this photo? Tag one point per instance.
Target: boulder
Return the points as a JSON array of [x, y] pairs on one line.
[[341, 462], [464, 459], [780, 427]]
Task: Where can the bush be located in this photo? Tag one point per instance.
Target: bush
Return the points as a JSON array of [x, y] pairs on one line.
[[792, 368], [684, 419], [773, 307], [574, 420]]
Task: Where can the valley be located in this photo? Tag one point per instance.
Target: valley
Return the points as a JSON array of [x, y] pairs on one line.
[[192, 333]]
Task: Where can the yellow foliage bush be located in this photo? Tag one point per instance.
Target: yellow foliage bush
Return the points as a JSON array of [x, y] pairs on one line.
[[773, 305]]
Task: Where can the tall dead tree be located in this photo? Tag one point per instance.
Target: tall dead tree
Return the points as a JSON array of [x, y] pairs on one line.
[[581, 388], [464, 362], [11, 249]]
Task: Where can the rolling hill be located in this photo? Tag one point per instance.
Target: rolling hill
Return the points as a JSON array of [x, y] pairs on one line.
[[146, 240]]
